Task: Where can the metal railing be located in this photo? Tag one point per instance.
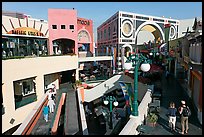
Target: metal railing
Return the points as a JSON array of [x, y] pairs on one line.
[[57, 113], [30, 56]]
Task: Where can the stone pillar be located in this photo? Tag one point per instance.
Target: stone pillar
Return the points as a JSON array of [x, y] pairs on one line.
[[40, 90], [77, 74]]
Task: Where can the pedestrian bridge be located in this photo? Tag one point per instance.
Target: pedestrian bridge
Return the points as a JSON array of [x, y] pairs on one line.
[[63, 121]]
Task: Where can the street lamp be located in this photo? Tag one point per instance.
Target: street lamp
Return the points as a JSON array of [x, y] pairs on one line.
[[135, 60], [114, 102], [154, 54]]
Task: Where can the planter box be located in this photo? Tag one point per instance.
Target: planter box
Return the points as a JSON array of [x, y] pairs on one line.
[[151, 124]]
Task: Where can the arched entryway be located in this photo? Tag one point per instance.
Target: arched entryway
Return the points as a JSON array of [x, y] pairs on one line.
[[63, 46], [84, 41], [126, 50], [153, 28]]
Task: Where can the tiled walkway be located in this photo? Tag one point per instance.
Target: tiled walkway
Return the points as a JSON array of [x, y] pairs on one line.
[[173, 91]]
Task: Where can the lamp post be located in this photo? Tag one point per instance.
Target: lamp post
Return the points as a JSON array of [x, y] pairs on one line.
[[114, 102], [135, 60], [154, 54]]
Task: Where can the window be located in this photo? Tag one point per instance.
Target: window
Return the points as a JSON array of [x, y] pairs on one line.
[[71, 26], [98, 35], [24, 92], [62, 26], [101, 35], [54, 26], [108, 32], [105, 34], [83, 35]]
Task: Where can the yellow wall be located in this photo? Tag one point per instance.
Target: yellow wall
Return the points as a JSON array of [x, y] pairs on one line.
[[17, 69]]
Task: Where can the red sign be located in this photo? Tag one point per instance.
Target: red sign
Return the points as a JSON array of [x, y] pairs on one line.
[[167, 25]]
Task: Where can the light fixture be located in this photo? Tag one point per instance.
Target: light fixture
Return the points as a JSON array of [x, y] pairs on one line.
[[145, 67], [150, 53], [115, 103], [127, 65], [105, 102]]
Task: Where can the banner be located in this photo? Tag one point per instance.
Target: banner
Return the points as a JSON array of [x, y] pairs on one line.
[[127, 92], [113, 60]]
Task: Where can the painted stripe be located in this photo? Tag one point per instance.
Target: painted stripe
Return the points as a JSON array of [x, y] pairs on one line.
[[4, 28], [11, 24], [19, 21]]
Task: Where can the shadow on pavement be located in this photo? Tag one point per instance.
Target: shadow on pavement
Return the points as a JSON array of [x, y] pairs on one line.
[[165, 124]]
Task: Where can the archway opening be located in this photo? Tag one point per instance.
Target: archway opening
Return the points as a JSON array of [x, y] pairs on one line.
[[148, 33], [63, 46]]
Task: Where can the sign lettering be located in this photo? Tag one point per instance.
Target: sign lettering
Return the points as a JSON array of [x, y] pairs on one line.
[[26, 31], [83, 22]]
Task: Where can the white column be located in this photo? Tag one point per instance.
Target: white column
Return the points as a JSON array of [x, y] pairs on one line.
[[122, 56], [39, 86], [77, 74]]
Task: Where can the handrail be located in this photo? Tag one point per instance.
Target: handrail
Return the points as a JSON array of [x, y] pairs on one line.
[[30, 121], [58, 97], [57, 116]]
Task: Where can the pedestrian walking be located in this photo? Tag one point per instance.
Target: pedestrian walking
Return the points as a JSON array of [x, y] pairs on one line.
[[172, 116], [51, 104], [45, 113], [49, 94], [54, 92], [185, 112], [167, 74]]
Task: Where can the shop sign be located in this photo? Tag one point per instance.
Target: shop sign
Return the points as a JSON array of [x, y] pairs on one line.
[[83, 22], [26, 31]]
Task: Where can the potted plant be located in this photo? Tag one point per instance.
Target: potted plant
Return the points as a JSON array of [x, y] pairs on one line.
[[152, 119], [77, 83]]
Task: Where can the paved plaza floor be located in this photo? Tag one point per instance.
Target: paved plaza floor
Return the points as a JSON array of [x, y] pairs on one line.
[[173, 91]]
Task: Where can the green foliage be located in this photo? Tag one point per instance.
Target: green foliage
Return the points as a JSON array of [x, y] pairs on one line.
[[152, 117], [78, 83]]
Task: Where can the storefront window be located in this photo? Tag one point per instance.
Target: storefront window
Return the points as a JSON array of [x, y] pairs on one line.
[[23, 47], [24, 92]]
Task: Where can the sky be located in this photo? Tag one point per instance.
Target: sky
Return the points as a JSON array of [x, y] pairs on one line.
[[101, 11]]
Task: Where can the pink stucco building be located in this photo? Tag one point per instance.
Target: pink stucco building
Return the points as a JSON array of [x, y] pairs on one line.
[[62, 24]]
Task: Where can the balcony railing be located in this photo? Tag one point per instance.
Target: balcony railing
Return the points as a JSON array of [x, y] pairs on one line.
[[21, 57], [103, 54]]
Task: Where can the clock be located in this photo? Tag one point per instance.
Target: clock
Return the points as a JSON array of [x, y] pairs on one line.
[[127, 28]]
